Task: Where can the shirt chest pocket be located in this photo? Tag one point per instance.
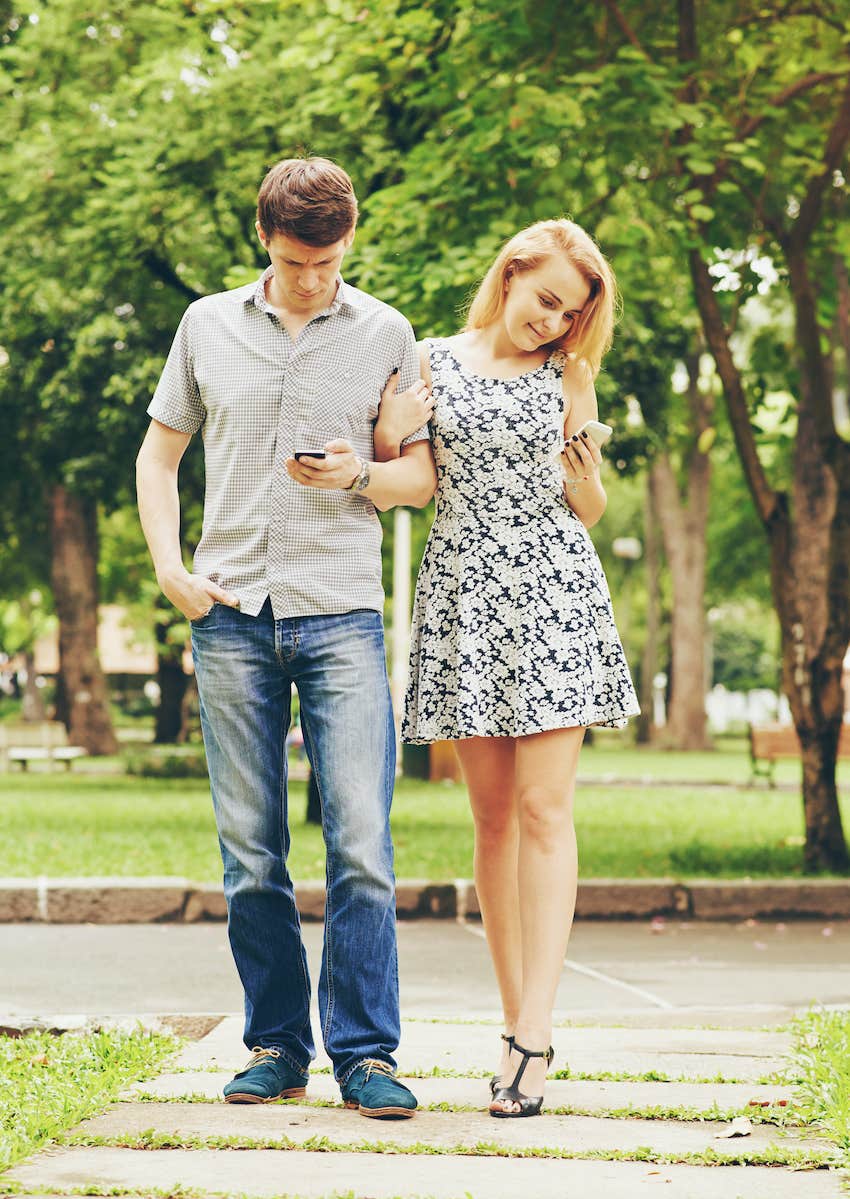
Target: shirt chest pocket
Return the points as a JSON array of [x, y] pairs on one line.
[[362, 388], [347, 396]]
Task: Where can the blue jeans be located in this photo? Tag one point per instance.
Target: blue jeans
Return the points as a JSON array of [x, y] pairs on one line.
[[245, 666]]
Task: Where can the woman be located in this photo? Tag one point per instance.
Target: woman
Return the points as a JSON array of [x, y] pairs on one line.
[[514, 647]]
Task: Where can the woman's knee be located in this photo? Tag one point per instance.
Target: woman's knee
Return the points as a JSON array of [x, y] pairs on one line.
[[544, 813], [494, 818]]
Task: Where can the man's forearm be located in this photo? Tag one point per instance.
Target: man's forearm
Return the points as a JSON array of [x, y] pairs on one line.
[[404, 481], [159, 513]]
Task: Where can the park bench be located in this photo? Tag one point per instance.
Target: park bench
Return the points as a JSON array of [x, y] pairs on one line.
[[769, 742], [41, 741]]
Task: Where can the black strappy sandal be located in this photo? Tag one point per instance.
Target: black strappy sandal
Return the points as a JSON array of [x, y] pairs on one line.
[[528, 1105], [496, 1080]]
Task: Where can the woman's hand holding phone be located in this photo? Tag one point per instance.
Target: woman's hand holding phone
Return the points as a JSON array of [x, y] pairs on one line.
[[581, 456]]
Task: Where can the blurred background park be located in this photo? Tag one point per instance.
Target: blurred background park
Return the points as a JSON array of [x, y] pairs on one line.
[[703, 145]]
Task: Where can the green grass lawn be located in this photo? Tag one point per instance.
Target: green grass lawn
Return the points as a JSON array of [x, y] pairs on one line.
[[48, 1083], [79, 824]]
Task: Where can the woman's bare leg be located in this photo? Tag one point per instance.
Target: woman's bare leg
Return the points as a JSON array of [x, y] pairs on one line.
[[544, 781], [488, 769]]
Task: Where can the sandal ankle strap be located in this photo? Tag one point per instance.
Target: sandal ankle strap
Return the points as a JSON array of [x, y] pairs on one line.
[[548, 1054]]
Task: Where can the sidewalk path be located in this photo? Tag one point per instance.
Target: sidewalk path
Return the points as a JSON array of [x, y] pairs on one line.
[[702, 1005], [595, 1138]]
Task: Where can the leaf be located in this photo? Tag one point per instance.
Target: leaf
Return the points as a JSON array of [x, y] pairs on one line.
[[740, 1127], [706, 439], [699, 166]]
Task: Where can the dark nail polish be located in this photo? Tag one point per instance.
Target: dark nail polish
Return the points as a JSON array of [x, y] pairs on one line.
[[584, 433], [395, 370], [575, 436]]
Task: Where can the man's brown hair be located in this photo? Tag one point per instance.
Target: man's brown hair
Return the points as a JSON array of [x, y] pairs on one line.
[[310, 199]]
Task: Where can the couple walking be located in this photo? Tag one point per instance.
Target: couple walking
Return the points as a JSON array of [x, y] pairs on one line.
[[316, 407]]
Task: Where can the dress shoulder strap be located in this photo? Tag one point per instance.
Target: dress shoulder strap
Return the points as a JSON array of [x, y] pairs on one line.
[[557, 362]]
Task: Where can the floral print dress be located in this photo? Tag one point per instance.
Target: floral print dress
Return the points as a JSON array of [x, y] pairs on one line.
[[513, 631]]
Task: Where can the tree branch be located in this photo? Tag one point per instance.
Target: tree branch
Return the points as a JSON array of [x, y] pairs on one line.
[[163, 270], [717, 338], [836, 144], [753, 123], [789, 93], [625, 28], [788, 10]]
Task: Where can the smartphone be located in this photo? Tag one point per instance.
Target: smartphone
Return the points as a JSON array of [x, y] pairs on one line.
[[299, 454], [595, 429]]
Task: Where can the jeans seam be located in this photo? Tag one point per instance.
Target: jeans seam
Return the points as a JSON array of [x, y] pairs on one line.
[[314, 763], [283, 830]]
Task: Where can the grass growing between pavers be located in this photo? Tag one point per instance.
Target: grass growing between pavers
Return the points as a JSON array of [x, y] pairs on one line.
[[95, 1191], [774, 1115], [117, 825], [821, 1059], [774, 1155], [49, 1083]]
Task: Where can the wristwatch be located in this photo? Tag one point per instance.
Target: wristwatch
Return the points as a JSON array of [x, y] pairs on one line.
[[361, 479]]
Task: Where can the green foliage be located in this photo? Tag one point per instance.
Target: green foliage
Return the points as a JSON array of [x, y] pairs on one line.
[[188, 763], [133, 142], [49, 1083], [745, 639], [821, 1060]]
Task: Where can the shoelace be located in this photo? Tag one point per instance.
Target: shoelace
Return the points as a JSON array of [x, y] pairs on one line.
[[383, 1067], [262, 1056]]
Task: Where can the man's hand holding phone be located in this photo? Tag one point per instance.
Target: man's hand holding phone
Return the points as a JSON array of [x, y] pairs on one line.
[[332, 467]]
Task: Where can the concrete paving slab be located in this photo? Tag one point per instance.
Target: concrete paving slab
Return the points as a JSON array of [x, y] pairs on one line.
[[699, 1053], [473, 1092], [447, 1131], [266, 1173]]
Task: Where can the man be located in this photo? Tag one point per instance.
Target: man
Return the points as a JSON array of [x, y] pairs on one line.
[[286, 588]]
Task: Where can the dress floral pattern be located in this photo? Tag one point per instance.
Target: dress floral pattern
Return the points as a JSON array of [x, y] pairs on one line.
[[513, 631]]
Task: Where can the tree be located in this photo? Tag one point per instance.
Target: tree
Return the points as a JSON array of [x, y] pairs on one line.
[[731, 150]]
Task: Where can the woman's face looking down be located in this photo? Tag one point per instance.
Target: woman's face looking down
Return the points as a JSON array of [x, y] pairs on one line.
[[542, 303]]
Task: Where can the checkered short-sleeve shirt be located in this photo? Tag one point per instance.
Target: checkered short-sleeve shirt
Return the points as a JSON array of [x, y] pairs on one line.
[[234, 373]]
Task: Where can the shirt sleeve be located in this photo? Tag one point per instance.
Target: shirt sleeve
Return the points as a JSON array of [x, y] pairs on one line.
[[177, 400], [409, 371]]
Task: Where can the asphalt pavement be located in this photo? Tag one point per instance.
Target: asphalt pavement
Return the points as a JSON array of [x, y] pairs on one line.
[[641, 972]]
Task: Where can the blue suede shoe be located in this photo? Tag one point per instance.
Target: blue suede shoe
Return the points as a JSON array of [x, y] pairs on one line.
[[375, 1091], [266, 1078]]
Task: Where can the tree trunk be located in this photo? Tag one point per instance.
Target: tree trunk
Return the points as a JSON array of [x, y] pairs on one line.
[[171, 678], [32, 708], [810, 552], [810, 555], [683, 528], [649, 660], [314, 803], [190, 719], [811, 584], [82, 697]]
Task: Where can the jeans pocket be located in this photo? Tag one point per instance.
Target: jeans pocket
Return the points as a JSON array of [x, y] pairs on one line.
[[203, 622]]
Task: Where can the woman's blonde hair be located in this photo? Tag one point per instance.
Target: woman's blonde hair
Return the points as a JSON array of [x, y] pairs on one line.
[[591, 332]]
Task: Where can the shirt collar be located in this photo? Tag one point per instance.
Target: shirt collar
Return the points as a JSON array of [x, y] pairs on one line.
[[345, 299]]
